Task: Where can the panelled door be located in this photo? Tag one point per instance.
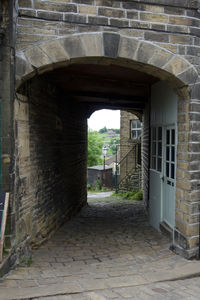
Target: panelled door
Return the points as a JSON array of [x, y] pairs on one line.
[[169, 175]]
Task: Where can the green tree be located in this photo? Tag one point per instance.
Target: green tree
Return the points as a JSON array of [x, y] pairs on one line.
[[103, 130], [95, 145]]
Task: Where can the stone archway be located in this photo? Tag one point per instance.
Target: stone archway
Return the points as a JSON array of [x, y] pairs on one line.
[[141, 55], [107, 48]]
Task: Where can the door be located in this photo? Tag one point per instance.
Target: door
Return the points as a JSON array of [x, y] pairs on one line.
[[169, 175]]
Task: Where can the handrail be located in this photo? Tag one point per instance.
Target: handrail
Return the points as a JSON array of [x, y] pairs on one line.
[[130, 161]]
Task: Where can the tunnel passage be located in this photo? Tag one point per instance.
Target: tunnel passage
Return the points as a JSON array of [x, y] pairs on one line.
[[51, 128]]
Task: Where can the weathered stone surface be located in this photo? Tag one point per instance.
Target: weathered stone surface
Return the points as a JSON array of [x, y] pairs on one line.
[[111, 44], [157, 37], [22, 66], [54, 51], [92, 44], [73, 46], [176, 65], [144, 52], [37, 58], [127, 47]]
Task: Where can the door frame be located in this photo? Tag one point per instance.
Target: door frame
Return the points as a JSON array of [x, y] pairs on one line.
[[164, 128]]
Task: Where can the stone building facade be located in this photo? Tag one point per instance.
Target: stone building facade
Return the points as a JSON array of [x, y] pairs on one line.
[[130, 151], [61, 61]]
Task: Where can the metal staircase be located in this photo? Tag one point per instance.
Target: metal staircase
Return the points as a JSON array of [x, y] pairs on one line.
[[130, 170]]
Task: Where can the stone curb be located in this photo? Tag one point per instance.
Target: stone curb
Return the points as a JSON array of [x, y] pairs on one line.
[[179, 273]]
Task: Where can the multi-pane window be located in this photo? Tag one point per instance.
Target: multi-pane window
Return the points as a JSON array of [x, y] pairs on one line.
[[170, 153], [156, 148], [136, 130]]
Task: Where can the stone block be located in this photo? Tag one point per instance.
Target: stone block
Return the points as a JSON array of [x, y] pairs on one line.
[[73, 46], [60, 7], [97, 20], [127, 47], [118, 23], [25, 3], [144, 52], [36, 57], [54, 51], [92, 44], [156, 37], [180, 21], [88, 10], [108, 3], [152, 17], [132, 14], [160, 58], [22, 66], [46, 15], [177, 65], [183, 184], [112, 13], [75, 18], [111, 44], [88, 2]]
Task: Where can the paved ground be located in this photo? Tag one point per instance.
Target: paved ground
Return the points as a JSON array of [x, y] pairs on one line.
[[108, 251]]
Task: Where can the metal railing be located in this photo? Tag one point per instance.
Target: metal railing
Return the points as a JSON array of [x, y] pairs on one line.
[[130, 162]]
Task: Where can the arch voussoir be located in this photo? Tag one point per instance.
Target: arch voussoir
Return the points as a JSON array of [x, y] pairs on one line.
[[141, 55], [92, 43], [176, 65], [127, 47], [55, 51], [74, 46]]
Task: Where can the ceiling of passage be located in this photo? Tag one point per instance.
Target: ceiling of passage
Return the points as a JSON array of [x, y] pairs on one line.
[[103, 86]]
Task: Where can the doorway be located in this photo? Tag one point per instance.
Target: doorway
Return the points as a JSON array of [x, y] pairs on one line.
[[163, 124]]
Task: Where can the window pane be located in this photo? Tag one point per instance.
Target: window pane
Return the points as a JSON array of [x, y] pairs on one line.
[[139, 133], [168, 137], [159, 133], [153, 163], [167, 169], [172, 153], [134, 134], [159, 148], [173, 136], [167, 153], [138, 124], [154, 133], [172, 171], [133, 124], [159, 165], [154, 148]]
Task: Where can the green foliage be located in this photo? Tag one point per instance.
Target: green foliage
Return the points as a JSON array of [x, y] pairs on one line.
[[115, 130], [95, 145], [29, 261], [113, 142], [138, 195], [130, 195], [103, 130], [98, 185]]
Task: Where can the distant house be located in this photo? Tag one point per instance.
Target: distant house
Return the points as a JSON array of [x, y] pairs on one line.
[[98, 173]]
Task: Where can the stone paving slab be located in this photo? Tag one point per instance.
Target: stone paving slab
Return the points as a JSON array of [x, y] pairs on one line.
[[109, 251]]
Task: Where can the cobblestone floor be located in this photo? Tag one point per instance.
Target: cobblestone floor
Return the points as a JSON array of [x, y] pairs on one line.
[[109, 251]]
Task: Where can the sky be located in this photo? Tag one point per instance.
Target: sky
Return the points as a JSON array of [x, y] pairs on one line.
[[104, 117]]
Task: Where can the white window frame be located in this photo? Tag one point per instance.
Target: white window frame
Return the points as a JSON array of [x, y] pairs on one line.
[[155, 155], [137, 129]]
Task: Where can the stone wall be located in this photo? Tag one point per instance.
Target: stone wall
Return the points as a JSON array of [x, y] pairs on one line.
[[159, 37], [171, 25], [51, 154]]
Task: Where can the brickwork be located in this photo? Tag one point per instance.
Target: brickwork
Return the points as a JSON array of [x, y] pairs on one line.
[[179, 22], [49, 187], [156, 37], [126, 142]]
